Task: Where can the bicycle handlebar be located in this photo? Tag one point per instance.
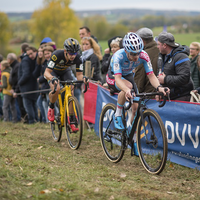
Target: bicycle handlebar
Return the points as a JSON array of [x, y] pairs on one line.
[[71, 82], [144, 95]]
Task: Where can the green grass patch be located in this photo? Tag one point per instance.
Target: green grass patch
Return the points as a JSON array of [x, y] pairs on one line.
[[33, 166]]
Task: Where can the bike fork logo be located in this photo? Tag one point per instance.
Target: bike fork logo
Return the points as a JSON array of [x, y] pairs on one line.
[[142, 130]]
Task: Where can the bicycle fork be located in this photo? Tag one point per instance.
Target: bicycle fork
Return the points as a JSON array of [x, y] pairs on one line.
[[153, 139]]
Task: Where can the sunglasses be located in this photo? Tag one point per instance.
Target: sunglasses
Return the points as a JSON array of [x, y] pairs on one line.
[[134, 54], [72, 53]]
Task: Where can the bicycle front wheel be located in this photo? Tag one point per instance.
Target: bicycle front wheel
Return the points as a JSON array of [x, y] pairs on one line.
[[110, 138], [152, 142], [56, 127], [74, 137]]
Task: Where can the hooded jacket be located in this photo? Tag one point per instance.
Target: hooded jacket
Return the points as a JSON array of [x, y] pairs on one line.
[[176, 67]]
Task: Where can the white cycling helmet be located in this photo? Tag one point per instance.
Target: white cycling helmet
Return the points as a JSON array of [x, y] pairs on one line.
[[133, 43]]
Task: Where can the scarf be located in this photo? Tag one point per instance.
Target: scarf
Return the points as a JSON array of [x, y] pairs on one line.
[[86, 54]]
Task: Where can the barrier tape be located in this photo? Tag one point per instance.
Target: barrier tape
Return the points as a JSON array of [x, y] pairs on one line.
[[46, 90], [35, 91]]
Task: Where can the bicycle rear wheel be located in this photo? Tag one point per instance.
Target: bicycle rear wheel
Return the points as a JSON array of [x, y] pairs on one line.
[[56, 127], [111, 139], [152, 146], [74, 138]]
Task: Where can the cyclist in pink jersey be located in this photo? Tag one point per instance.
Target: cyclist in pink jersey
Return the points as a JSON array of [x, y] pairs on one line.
[[120, 74]]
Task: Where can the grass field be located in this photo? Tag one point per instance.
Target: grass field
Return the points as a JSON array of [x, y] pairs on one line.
[[33, 166], [184, 39]]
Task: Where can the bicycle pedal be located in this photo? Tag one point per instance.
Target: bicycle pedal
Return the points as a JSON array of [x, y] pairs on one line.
[[106, 138]]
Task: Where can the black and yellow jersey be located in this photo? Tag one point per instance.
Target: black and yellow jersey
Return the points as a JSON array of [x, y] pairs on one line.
[[58, 62]]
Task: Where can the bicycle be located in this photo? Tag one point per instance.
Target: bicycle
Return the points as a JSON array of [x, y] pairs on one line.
[[150, 134], [68, 106]]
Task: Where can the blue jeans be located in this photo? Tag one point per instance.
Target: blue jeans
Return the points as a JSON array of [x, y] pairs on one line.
[[77, 93], [31, 109], [45, 103], [40, 106], [18, 110]]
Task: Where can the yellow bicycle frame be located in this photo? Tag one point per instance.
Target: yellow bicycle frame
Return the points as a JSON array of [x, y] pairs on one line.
[[64, 104]]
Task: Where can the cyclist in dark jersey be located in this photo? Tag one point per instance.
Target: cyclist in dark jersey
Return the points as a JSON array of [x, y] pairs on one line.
[[59, 66]]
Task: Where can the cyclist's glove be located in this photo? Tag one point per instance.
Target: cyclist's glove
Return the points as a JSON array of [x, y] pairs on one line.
[[54, 79], [86, 78]]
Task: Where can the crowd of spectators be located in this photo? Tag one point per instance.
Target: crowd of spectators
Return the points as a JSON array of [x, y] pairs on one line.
[[24, 90]]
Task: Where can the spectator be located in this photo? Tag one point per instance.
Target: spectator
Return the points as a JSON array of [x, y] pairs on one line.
[[195, 74], [150, 46], [24, 115], [13, 79], [8, 99], [27, 82], [174, 62], [198, 62], [47, 41], [47, 51], [36, 74], [114, 44], [85, 32], [91, 52], [1, 97], [23, 50]]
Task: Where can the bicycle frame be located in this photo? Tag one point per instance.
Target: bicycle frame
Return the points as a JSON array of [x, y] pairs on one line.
[[141, 107], [64, 102]]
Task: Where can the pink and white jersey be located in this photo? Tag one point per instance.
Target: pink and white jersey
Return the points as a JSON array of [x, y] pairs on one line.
[[120, 64]]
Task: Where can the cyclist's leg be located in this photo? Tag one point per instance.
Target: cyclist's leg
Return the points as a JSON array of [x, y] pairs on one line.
[[120, 102], [67, 75], [52, 98], [134, 109]]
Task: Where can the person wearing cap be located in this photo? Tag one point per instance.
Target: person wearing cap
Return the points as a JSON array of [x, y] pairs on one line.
[[150, 46], [174, 62]]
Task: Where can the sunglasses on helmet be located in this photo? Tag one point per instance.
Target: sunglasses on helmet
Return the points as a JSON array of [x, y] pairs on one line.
[[134, 54], [72, 53]]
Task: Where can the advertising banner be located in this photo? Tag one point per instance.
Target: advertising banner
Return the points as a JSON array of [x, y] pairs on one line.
[[181, 121]]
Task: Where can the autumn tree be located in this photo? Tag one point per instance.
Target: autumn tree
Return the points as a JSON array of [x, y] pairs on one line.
[[55, 20], [98, 25], [5, 33]]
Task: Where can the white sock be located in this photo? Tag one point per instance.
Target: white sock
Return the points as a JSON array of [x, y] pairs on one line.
[[118, 110]]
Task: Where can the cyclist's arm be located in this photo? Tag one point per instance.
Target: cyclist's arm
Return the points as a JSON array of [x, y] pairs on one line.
[[79, 76], [47, 74], [120, 83], [156, 84]]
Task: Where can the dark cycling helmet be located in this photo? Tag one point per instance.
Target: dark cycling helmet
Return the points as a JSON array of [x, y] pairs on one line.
[[71, 45], [133, 43]]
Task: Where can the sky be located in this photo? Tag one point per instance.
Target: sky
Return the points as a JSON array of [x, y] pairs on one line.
[[78, 5]]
